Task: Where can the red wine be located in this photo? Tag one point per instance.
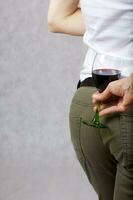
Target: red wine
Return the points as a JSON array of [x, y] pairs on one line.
[[102, 77]]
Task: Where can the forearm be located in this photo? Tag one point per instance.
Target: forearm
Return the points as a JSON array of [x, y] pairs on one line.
[[65, 17]]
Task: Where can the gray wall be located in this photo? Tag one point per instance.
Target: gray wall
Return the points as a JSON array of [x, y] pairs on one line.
[[38, 75]]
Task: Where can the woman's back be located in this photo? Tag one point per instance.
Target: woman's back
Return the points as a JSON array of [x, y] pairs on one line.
[[109, 26]]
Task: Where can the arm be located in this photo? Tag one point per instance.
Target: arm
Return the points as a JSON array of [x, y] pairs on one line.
[[64, 16], [117, 97]]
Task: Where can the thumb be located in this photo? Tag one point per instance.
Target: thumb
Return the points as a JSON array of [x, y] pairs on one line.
[[104, 96]]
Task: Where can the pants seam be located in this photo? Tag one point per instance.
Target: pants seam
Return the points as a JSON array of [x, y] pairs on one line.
[[124, 140], [85, 158]]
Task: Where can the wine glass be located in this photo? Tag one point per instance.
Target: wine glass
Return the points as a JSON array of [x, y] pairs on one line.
[[105, 69]]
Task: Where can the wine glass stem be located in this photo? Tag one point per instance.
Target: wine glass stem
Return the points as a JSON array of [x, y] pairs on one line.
[[96, 118]]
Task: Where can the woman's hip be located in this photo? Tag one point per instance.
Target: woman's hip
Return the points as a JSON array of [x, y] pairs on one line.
[[117, 138]]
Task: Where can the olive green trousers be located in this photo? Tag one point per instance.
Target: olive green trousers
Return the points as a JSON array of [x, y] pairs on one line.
[[106, 154]]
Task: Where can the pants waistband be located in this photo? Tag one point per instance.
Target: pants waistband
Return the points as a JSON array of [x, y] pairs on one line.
[[87, 82]]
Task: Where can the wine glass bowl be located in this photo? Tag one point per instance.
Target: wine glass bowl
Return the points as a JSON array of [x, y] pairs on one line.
[[102, 77]]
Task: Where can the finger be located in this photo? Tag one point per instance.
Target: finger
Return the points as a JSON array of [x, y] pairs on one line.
[[127, 100], [116, 107], [105, 95], [93, 99], [112, 106], [102, 106], [112, 102], [95, 108], [110, 110]]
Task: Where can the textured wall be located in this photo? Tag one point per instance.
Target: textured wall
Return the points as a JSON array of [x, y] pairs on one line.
[[38, 75]]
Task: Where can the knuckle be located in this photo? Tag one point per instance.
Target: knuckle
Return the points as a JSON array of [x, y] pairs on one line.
[[124, 108], [110, 85]]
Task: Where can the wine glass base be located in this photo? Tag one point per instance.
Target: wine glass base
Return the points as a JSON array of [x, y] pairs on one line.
[[94, 124], [97, 125]]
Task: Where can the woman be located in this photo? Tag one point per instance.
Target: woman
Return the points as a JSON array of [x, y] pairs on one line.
[[106, 155]]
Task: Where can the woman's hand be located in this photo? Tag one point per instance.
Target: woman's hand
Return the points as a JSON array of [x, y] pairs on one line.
[[64, 16], [117, 97]]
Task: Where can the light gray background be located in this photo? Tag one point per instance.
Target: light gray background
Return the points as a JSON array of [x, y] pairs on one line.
[[38, 76]]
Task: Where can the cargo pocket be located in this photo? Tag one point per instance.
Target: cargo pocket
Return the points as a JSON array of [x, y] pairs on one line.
[[126, 124]]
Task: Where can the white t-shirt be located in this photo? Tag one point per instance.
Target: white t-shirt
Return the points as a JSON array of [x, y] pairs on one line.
[[109, 31]]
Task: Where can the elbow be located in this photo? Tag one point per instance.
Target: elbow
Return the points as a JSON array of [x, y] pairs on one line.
[[53, 25]]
